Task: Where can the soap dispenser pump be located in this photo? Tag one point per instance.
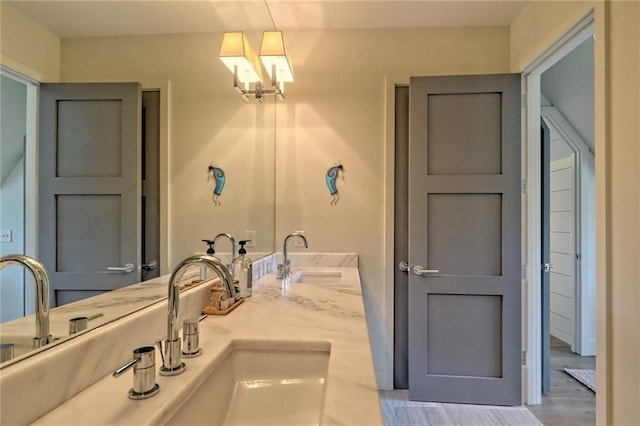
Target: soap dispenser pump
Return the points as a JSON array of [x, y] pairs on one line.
[[211, 250], [243, 270], [205, 273]]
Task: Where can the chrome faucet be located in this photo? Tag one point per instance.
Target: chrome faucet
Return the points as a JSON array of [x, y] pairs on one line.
[[171, 364], [42, 295], [233, 246], [284, 269]]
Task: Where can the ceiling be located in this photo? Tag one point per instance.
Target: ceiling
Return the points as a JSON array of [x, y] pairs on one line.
[[90, 18]]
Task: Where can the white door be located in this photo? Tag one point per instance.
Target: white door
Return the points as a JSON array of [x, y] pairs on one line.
[[89, 187], [562, 228]]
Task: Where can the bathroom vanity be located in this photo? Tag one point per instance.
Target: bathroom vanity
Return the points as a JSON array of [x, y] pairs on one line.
[[312, 326]]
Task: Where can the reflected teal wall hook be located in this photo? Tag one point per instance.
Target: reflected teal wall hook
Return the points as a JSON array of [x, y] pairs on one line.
[[330, 178], [218, 175]]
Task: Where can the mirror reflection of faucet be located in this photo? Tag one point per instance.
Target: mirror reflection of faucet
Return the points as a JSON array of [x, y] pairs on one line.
[[41, 279], [284, 269], [7, 352], [233, 246], [78, 324]]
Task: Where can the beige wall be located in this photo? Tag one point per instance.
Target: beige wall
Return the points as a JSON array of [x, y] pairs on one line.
[[623, 205], [617, 81], [335, 111], [209, 124], [28, 47], [540, 25]]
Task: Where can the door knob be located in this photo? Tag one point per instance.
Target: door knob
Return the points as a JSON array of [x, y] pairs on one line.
[[126, 269], [418, 270], [403, 266], [149, 266], [547, 267]]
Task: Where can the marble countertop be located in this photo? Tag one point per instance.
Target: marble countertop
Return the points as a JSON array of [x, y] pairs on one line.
[[331, 311], [113, 305]]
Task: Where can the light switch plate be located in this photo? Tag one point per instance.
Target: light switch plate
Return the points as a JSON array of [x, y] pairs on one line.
[[298, 241], [251, 235], [6, 236]]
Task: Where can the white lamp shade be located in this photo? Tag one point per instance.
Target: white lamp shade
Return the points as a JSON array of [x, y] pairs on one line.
[[237, 52], [274, 52]]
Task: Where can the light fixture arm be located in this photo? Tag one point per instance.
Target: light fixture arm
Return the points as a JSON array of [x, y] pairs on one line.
[[247, 68], [240, 87], [258, 91]]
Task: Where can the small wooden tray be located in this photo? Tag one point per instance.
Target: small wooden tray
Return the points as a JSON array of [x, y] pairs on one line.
[[226, 311]]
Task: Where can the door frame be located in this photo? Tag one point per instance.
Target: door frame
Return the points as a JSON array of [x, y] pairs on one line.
[[385, 375], [531, 204], [400, 282], [531, 111], [30, 176], [164, 87]]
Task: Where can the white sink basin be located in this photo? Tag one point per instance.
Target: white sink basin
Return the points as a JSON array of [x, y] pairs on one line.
[[260, 383], [316, 276]]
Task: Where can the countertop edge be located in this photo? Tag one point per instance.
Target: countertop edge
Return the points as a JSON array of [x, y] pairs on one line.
[[351, 394]]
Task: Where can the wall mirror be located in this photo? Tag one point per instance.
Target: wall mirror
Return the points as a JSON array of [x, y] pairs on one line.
[[211, 127]]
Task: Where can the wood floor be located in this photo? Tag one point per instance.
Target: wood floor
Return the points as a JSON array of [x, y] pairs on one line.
[[399, 411], [568, 402]]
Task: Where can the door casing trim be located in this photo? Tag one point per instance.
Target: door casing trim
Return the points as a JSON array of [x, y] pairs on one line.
[[385, 375], [30, 176], [575, 36], [531, 77]]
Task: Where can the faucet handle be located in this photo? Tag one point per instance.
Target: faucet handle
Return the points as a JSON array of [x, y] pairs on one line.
[[6, 352], [191, 337], [39, 342], [144, 373]]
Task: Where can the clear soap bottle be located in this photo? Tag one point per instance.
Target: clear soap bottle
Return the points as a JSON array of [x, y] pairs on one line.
[[242, 270]]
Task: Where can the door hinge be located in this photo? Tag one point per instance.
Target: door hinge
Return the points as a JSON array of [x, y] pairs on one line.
[[524, 357], [523, 100], [523, 273], [523, 186]]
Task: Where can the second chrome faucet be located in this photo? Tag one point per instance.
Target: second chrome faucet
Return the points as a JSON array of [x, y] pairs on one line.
[[171, 361]]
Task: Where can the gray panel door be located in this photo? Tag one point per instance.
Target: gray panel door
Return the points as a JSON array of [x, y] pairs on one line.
[[464, 240], [89, 187]]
